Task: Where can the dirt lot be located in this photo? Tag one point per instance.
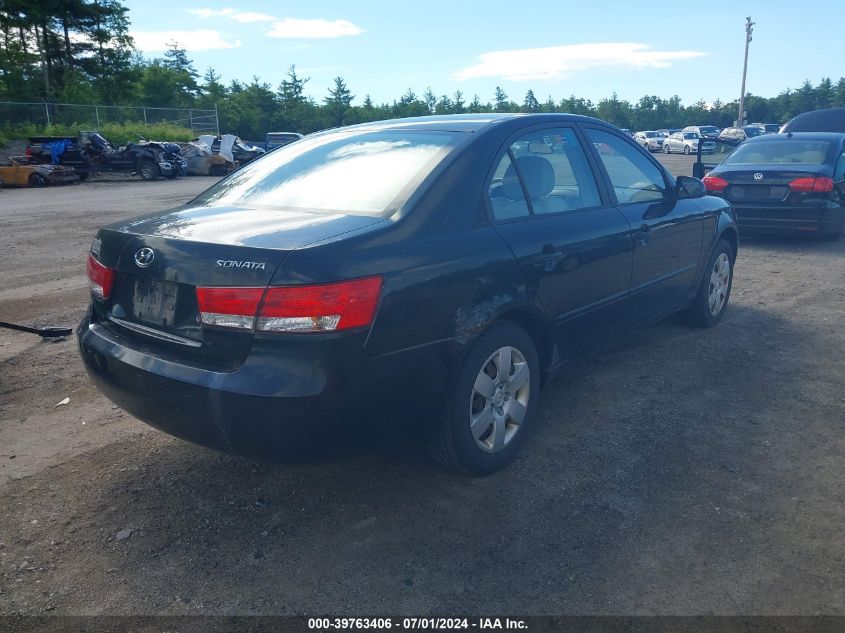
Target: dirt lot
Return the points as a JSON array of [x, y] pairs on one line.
[[681, 472]]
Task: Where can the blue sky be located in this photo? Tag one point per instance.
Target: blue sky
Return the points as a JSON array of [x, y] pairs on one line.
[[558, 48]]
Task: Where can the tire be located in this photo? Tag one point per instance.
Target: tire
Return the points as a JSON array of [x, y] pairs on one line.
[[700, 314], [217, 171], [37, 180], [149, 170], [485, 450], [686, 150], [83, 177], [666, 149]]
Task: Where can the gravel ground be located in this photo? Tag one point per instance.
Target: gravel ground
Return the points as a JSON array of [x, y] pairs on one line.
[[680, 472]]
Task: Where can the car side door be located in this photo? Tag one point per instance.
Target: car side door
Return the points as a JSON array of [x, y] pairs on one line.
[[667, 231], [572, 244], [676, 142]]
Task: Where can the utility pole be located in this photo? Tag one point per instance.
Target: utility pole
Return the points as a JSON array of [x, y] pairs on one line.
[[749, 28]]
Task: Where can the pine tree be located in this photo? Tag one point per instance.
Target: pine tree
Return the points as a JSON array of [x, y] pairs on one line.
[[501, 100]]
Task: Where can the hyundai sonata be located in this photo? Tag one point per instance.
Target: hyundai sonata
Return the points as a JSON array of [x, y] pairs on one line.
[[441, 267]]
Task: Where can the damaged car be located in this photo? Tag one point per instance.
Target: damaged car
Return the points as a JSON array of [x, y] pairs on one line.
[[427, 273], [90, 152], [19, 171], [201, 161]]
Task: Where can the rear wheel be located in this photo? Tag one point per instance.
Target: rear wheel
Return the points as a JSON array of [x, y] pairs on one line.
[[37, 180], [710, 303], [149, 170], [217, 170], [83, 176], [491, 403]]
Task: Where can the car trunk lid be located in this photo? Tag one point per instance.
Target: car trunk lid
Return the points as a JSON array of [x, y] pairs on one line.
[[761, 183], [161, 260]]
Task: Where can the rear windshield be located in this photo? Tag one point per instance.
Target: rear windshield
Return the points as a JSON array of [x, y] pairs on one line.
[[362, 173], [787, 152], [652, 134], [708, 128], [690, 135]]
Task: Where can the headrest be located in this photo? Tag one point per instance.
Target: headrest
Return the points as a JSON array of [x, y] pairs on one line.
[[539, 177]]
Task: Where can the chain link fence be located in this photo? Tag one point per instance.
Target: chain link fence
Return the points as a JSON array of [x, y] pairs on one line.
[[14, 113]]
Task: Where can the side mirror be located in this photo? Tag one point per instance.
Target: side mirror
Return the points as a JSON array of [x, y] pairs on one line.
[[688, 187]]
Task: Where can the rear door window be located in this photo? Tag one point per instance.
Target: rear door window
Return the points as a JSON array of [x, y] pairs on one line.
[[507, 199], [552, 168]]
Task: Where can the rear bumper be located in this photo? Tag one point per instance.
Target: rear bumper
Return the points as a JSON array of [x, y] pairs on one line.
[[790, 220], [281, 399]]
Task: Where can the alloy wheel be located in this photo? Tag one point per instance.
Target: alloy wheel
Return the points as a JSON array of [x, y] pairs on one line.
[[499, 399], [720, 280]]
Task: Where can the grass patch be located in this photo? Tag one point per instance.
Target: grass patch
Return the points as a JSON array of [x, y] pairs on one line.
[[116, 133]]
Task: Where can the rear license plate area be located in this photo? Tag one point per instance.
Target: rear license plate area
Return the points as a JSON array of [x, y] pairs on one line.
[[756, 192], [154, 302]]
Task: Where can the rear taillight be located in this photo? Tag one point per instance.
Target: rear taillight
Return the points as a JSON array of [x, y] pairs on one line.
[[817, 184], [320, 308], [28, 152], [100, 278], [327, 307], [229, 307], [714, 183]]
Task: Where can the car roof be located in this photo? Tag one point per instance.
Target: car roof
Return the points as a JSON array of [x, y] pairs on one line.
[[468, 122], [804, 136], [831, 119]]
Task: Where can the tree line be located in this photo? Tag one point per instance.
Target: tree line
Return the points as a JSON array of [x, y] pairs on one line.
[[80, 51]]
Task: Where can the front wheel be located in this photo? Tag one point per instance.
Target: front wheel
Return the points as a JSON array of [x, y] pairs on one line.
[[686, 150], [666, 149], [37, 180], [710, 303], [149, 170], [491, 403]]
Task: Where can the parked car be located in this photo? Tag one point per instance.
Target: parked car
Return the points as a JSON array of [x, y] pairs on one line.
[[828, 120], [768, 128], [90, 152], [275, 140], [242, 152], [785, 183], [741, 133], [202, 162], [412, 268], [687, 143], [20, 171], [627, 131], [704, 131], [650, 140]]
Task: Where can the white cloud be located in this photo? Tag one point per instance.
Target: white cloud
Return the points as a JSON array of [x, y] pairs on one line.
[[210, 13], [245, 17], [556, 62], [199, 40], [294, 28]]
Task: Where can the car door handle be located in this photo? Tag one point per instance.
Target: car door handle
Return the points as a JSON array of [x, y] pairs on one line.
[[549, 256]]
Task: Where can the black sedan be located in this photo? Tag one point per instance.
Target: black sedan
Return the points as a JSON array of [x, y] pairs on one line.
[[435, 271], [785, 183]]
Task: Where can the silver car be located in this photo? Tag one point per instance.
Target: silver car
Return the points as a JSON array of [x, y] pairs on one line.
[[687, 143], [650, 140]]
